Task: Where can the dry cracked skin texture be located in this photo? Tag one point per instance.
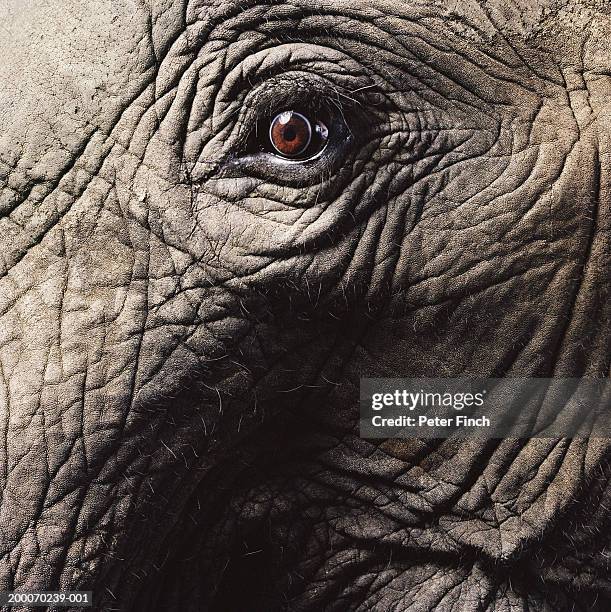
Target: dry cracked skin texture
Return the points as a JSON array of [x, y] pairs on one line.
[[183, 323]]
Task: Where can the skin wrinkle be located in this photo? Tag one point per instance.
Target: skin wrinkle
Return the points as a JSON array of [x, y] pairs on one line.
[[141, 381]]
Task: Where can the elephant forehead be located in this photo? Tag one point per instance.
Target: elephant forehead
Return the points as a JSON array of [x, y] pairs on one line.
[[99, 49], [544, 20]]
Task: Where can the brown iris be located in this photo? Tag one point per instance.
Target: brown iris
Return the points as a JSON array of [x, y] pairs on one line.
[[290, 133]]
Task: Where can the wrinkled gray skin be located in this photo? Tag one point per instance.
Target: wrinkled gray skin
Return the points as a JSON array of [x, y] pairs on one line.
[[183, 326]]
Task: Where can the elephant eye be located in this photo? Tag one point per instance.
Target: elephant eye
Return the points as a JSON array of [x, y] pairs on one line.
[[293, 135], [291, 145]]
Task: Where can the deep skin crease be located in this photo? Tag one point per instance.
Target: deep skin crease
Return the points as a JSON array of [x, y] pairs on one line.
[[184, 320]]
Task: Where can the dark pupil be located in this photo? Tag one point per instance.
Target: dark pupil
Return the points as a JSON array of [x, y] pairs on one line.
[[290, 133]]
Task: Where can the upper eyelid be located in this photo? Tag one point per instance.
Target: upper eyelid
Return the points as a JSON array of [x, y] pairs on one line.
[[287, 91], [282, 94]]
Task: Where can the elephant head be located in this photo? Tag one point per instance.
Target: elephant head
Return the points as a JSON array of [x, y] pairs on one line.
[[216, 216]]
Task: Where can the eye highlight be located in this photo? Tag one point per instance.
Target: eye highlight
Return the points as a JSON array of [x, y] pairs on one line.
[[292, 135]]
